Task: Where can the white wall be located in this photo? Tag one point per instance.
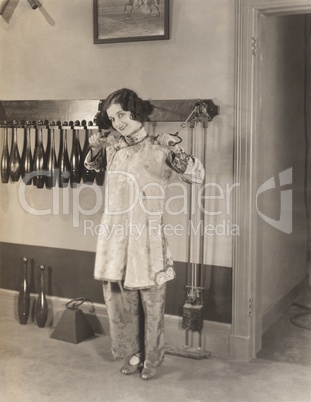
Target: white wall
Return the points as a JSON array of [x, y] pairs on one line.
[[49, 53]]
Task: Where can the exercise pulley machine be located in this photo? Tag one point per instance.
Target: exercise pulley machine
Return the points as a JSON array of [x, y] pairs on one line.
[[193, 308]]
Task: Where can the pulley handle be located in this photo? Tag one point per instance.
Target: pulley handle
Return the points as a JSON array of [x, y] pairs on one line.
[[75, 303]]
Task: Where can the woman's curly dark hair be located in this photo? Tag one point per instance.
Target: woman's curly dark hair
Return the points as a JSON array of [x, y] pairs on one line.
[[130, 102]]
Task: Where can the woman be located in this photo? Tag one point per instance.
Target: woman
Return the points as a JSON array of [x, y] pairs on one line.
[[132, 257]]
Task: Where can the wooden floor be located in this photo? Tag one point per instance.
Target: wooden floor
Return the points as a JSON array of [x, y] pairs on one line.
[[36, 368], [289, 339]]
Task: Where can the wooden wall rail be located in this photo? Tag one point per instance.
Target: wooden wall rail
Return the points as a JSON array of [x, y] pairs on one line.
[[48, 127], [72, 110]]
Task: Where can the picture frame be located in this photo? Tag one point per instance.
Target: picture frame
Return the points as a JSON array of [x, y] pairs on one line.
[[117, 21]]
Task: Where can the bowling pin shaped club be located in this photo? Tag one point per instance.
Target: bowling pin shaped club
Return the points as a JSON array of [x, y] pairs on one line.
[[63, 160], [39, 160], [75, 159], [41, 312], [87, 175], [33, 4], [3, 6], [51, 164], [27, 161], [23, 303], [5, 157], [15, 159]]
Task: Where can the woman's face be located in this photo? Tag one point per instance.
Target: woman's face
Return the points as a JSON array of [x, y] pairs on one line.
[[121, 120]]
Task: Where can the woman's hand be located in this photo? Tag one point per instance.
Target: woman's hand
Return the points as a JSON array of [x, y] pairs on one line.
[[169, 140], [98, 140]]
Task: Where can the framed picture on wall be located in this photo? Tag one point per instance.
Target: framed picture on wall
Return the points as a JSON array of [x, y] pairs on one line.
[[130, 20]]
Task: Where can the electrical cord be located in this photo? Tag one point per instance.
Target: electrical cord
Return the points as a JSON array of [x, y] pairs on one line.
[[294, 318]]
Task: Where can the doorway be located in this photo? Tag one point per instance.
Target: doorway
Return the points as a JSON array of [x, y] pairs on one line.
[[282, 203], [258, 296], [282, 227]]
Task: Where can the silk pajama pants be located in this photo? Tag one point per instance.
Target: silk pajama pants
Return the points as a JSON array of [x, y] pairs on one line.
[[136, 321]]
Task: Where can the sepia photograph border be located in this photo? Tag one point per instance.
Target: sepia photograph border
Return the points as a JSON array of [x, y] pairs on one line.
[[135, 22]]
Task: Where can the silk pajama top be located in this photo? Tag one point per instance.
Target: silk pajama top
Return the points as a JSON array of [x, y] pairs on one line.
[[132, 246]]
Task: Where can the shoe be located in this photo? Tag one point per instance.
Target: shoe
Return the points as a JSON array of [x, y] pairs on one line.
[[148, 373], [130, 368]]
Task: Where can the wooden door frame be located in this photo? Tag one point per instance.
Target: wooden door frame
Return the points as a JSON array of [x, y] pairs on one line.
[[245, 338]]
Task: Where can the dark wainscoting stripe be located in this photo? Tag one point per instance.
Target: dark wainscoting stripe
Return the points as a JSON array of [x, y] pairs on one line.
[[69, 274]]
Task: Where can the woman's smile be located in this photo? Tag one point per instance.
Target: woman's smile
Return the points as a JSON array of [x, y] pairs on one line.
[[121, 120]]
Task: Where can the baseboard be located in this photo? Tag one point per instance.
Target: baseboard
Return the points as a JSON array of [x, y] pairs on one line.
[[240, 348], [273, 312], [215, 335]]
